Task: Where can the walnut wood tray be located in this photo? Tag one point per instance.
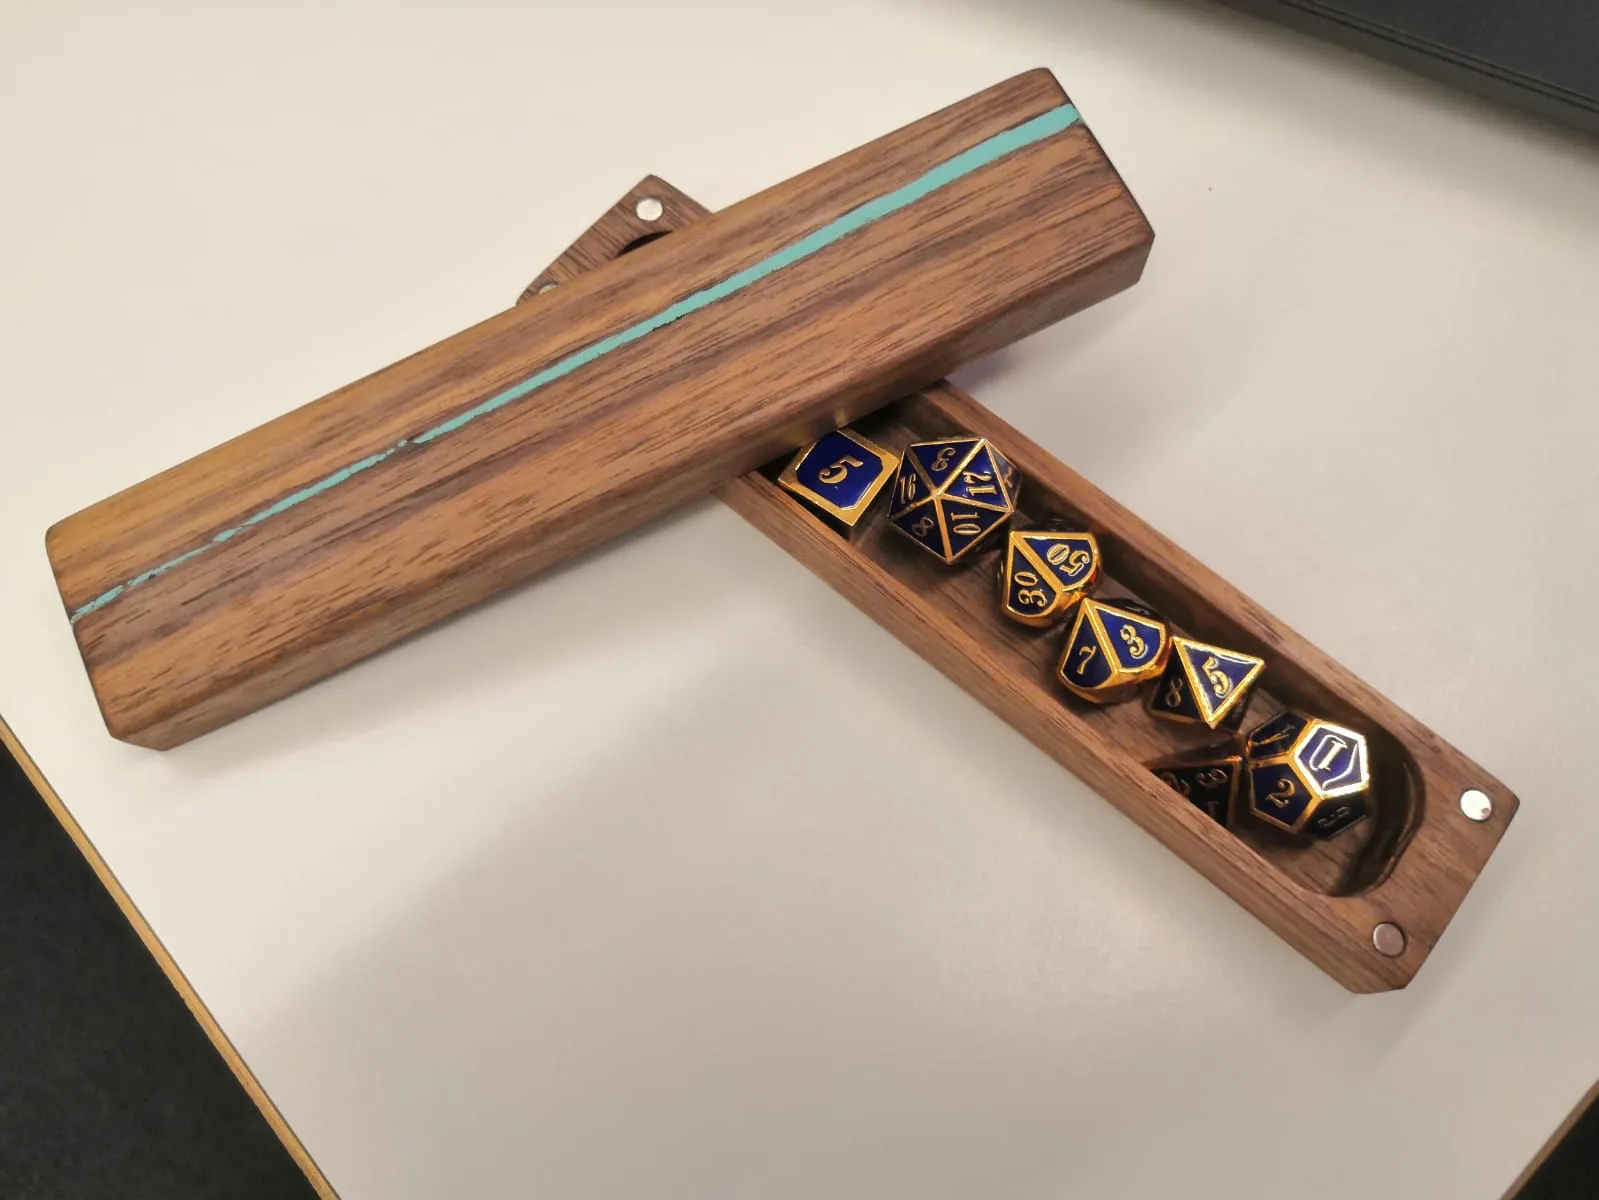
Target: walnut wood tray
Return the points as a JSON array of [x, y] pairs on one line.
[[1367, 906]]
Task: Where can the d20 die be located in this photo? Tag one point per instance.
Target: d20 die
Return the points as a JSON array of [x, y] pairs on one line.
[[1205, 684], [1307, 775], [1114, 647], [951, 494], [1211, 780], [839, 475], [1044, 573]]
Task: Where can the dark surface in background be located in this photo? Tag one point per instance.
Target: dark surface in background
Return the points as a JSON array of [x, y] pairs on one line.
[[1538, 55], [1571, 1169], [108, 1086]]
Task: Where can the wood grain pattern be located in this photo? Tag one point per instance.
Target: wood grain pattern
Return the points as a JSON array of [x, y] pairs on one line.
[[180, 983], [414, 532], [1411, 865]]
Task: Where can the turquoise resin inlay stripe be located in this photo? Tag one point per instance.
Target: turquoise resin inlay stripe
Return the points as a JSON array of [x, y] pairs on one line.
[[981, 155]]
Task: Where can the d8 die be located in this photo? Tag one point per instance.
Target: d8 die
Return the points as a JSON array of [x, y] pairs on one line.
[[1205, 684], [950, 494], [839, 475], [1114, 647], [1307, 775], [1210, 780], [1044, 573]]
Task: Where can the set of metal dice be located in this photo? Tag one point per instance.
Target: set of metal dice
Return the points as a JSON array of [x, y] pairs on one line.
[[1299, 773]]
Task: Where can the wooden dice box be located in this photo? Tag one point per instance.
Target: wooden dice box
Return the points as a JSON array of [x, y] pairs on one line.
[[321, 537], [1367, 906]]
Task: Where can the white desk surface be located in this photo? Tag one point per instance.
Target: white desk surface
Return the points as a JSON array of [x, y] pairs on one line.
[[733, 895]]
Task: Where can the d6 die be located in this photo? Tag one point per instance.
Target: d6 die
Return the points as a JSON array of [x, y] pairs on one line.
[[839, 475], [1044, 573], [1210, 780], [951, 493], [1307, 775], [1114, 647], [1205, 684]]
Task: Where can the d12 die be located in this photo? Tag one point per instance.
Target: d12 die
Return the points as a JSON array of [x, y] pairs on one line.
[[951, 494], [1044, 573], [1114, 647], [1210, 780], [839, 475], [1307, 775], [1205, 684]]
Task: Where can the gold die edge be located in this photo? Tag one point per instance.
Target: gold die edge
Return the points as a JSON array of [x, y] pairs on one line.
[[940, 495], [1295, 712], [1274, 761], [951, 558], [1171, 762], [1082, 588], [1007, 570], [977, 444], [1349, 789], [789, 479], [1166, 714], [1083, 614], [1201, 695], [1156, 667]]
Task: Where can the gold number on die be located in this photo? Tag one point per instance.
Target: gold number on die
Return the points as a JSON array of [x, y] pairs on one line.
[[1219, 682], [1135, 644], [837, 472]]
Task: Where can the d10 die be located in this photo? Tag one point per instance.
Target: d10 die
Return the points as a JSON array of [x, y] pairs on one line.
[[1114, 647], [1307, 775], [950, 494], [839, 474], [1045, 573], [1205, 684], [1210, 780]]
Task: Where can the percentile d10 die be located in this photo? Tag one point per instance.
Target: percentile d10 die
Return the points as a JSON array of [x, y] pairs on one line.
[[1044, 573]]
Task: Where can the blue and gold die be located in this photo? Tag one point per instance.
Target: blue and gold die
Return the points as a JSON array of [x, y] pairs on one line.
[[1211, 780], [1206, 685], [1307, 775], [839, 475], [1044, 573], [952, 493], [1115, 646]]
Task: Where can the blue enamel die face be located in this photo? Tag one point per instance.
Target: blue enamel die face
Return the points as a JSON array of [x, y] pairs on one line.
[[978, 480], [1072, 558], [1205, 684], [1044, 574], [1332, 759], [839, 474], [1332, 817], [1086, 666], [1277, 795], [940, 460], [924, 524], [1112, 650], [1135, 640], [949, 495]]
